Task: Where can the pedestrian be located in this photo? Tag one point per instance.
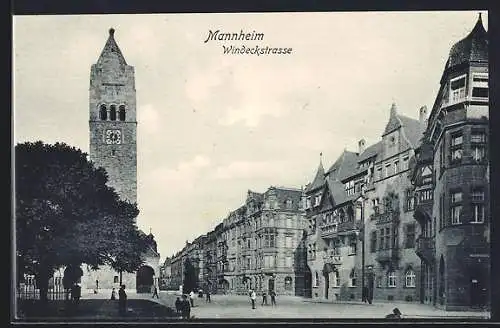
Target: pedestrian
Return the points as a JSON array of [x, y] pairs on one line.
[[396, 314], [76, 293], [113, 294], [185, 308], [264, 298], [273, 297], [191, 298], [253, 297], [155, 292], [122, 300], [364, 294], [178, 305], [208, 300]]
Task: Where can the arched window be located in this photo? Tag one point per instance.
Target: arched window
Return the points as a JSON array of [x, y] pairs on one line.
[[410, 278], [122, 113], [391, 279], [316, 279], [350, 214], [353, 277], [288, 283], [342, 216], [336, 279], [103, 113], [112, 113]]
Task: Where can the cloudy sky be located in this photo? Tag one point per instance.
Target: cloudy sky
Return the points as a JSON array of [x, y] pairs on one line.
[[211, 126]]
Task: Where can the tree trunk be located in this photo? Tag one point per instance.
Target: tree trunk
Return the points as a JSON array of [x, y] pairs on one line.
[[42, 281], [120, 277]]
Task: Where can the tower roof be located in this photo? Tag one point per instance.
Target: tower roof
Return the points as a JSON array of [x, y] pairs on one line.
[[319, 179], [111, 52], [474, 47]]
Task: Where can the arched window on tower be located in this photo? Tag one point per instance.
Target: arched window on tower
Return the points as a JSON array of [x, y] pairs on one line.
[[112, 113], [103, 113], [122, 113]]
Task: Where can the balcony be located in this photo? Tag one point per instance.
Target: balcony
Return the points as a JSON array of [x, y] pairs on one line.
[[424, 248], [387, 255], [386, 217], [423, 211], [330, 257], [336, 229]]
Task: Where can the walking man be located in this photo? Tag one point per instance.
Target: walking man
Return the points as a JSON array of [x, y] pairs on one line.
[[185, 308], [273, 297], [264, 298], [122, 300], [208, 300], [191, 298], [155, 292], [253, 297], [178, 305]]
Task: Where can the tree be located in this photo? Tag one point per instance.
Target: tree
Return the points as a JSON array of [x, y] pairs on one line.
[[190, 279], [66, 215]]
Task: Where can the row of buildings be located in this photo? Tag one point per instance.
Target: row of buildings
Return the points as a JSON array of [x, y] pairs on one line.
[[407, 218]]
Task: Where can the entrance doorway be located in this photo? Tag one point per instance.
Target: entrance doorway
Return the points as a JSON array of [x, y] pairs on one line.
[[327, 284], [478, 289], [308, 283], [271, 285], [144, 279]]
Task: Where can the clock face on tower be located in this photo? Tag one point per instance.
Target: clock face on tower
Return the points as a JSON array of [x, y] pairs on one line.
[[113, 137]]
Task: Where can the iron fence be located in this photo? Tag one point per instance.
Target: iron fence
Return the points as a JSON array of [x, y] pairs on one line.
[[27, 292]]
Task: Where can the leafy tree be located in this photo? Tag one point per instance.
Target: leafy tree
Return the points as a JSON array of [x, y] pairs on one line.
[[190, 279], [66, 215]]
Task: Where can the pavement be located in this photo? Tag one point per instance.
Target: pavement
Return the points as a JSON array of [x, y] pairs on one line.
[[293, 307], [144, 307]]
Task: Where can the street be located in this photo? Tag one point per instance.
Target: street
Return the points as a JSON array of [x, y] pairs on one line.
[[291, 307]]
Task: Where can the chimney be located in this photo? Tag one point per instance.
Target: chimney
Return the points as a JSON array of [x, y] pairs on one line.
[[361, 146], [422, 114]]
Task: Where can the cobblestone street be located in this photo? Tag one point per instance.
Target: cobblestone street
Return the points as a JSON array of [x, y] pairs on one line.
[[238, 306]]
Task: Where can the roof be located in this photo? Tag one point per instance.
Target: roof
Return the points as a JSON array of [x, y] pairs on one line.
[[111, 52], [319, 179], [371, 151], [474, 47], [344, 166], [284, 194], [412, 129], [338, 193]]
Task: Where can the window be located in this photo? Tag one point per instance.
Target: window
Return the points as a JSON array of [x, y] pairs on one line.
[[288, 242], [410, 278], [352, 247], [269, 261], [115, 279], [405, 164], [441, 157], [336, 279], [477, 198], [441, 211], [391, 279], [410, 236], [410, 201], [425, 195], [269, 239], [379, 173], [288, 283], [316, 279], [308, 202], [480, 85], [387, 170], [317, 200], [335, 247], [457, 87], [373, 241], [122, 113], [456, 147], [353, 277], [478, 145], [112, 113], [289, 223], [396, 167], [288, 262], [456, 207], [349, 188], [103, 113]]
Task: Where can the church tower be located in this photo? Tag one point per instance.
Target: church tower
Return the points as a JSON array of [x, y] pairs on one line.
[[113, 123]]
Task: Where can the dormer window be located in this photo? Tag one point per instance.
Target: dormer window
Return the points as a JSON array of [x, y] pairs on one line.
[[457, 89], [349, 188], [480, 85], [317, 200]]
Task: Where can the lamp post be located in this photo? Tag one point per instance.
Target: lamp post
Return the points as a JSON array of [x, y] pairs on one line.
[[361, 234]]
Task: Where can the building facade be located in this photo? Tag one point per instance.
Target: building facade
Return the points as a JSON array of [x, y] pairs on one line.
[[257, 246], [452, 168]]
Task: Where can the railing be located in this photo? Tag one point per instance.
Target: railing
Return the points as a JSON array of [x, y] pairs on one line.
[[386, 217], [387, 255], [31, 292], [331, 257], [339, 228]]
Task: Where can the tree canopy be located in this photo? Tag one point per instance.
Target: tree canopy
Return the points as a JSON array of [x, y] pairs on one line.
[[66, 214], [190, 276]]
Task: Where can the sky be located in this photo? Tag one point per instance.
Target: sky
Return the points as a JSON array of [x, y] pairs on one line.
[[213, 126]]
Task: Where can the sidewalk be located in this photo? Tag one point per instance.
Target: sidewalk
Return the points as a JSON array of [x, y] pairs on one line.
[[410, 310]]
